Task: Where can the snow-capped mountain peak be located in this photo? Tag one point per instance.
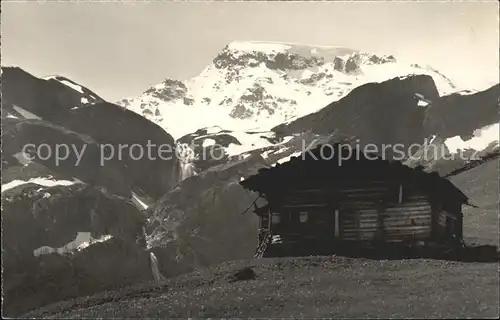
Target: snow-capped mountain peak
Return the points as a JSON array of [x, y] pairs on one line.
[[255, 85]]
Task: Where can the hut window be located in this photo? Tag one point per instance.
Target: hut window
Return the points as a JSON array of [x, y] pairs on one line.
[[303, 217], [275, 218]]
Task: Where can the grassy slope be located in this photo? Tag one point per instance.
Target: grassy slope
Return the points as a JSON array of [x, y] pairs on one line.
[[481, 184], [326, 286]]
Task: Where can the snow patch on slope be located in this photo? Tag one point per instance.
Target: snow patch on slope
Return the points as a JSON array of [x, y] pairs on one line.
[[483, 138], [82, 241], [87, 95], [25, 114], [92, 241], [46, 182], [66, 82], [288, 158], [208, 143], [72, 86]]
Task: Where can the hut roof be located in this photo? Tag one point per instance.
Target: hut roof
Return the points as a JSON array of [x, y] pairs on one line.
[[330, 165]]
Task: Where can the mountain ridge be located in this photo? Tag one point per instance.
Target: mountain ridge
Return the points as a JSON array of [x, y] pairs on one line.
[[258, 85]]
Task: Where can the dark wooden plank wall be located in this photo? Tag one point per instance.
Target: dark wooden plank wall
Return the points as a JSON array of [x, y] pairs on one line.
[[367, 211], [385, 212]]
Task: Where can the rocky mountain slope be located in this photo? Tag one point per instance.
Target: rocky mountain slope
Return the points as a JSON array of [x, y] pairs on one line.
[[252, 91], [37, 218], [34, 111], [254, 86], [27, 96], [406, 116], [72, 222]]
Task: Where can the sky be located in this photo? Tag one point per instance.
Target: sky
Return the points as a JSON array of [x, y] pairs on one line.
[[119, 49]]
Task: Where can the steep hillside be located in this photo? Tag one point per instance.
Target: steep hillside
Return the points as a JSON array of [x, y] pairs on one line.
[[386, 112], [461, 114], [481, 185], [82, 165], [71, 212], [142, 165], [57, 102], [24, 95], [407, 112], [63, 239]]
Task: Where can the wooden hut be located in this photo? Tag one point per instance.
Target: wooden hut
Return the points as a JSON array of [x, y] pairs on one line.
[[326, 199]]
